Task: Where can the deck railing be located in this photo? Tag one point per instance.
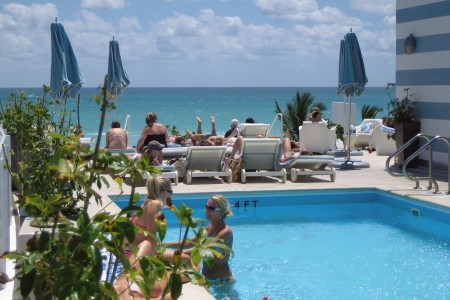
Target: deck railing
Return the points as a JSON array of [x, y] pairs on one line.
[[5, 197]]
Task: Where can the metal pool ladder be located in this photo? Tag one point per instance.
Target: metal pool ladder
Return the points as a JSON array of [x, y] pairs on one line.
[[429, 142]]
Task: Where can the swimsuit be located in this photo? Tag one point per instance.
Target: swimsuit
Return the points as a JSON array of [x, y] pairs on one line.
[[160, 138], [127, 251]]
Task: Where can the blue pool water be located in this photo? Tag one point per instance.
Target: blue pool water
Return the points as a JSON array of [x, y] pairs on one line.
[[354, 244]]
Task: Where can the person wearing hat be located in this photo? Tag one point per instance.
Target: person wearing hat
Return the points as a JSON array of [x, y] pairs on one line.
[[315, 115], [153, 151]]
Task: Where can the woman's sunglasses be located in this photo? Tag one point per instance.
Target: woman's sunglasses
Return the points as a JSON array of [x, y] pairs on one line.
[[211, 208]]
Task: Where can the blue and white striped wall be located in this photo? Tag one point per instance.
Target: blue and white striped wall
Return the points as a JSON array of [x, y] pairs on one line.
[[427, 71]]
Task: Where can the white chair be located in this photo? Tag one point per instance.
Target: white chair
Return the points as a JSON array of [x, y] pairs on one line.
[[260, 157], [206, 161], [316, 137], [382, 145], [312, 165], [86, 142], [364, 132], [253, 130]]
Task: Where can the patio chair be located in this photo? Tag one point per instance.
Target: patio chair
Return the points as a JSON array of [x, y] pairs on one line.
[[312, 165], [381, 143], [260, 157], [253, 130], [316, 137], [206, 161], [364, 132]]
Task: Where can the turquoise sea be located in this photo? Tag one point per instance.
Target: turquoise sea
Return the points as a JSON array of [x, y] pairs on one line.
[[180, 106]]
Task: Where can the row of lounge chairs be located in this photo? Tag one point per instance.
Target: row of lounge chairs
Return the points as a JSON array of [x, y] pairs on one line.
[[260, 157]]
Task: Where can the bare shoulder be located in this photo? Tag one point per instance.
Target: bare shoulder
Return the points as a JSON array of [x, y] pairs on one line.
[[152, 206]]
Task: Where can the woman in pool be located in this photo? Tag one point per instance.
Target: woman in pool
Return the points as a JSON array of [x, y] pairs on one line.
[[159, 191], [217, 209]]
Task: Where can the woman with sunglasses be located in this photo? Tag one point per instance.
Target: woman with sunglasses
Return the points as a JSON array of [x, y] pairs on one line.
[[217, 209]]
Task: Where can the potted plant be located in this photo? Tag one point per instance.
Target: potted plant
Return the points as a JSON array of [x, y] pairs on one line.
[[406, 127]]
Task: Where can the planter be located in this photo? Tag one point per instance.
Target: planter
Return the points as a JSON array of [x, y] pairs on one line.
[[403, 133]]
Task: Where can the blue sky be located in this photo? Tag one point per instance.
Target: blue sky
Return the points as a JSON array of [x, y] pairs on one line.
[[200, 43]]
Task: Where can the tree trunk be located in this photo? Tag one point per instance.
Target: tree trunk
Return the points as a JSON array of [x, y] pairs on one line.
[[403, 133]]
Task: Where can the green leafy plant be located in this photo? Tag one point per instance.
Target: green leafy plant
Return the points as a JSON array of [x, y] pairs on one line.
[[402, 110], [370, 112], [296, 112], [65, 262]]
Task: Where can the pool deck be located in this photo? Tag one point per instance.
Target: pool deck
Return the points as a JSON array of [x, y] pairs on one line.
[[374, 177]]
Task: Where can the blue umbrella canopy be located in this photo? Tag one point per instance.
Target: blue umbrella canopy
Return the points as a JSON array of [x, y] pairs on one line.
[[65, 78], [352, 73], [117, 77]]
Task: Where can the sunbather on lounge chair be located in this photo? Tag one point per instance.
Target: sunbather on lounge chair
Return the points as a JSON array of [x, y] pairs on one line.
[[116, 137], [153, 151], [200, 139], [153, 132]]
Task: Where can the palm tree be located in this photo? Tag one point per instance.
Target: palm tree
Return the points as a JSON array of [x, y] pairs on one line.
[[370, 112], [296, 112]]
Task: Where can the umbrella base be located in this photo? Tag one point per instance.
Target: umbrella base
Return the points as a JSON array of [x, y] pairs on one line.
[[349, 164], [344, 153]]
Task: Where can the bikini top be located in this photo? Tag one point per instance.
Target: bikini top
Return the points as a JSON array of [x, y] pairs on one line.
[[160, 138]]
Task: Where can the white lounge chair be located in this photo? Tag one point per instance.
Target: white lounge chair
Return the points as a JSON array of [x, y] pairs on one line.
[[316, 137], [312, 165], [364, 132], [206, 161], [129, 151], [382, 145], [86, 142], [260, 157], [253, 130]]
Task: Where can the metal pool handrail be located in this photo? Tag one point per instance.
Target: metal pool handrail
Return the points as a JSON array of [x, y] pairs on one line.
[[427, 146]]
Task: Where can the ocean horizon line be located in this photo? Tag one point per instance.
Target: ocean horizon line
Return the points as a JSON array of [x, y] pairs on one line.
[[198, 87]]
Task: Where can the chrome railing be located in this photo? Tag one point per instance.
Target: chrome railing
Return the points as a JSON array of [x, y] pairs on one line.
[[427, 146], [278, 116]]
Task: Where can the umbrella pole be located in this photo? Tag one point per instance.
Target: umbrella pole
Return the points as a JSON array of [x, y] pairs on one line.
[[78, 109], [349, 126]]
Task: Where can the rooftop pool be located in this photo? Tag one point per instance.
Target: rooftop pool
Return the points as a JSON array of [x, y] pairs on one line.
[[323, 244]]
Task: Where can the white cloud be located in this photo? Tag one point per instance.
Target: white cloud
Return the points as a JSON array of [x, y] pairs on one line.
[[108, 4], [307, 34], [379, 6], [129, 23]]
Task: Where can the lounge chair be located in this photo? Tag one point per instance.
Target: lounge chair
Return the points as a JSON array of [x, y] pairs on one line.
[[364, 132], [206, 161], [253, 130], [381, 143], [260, 157], [312, 165], [167, 171], [316, 137], [86, 142], [129, 151]]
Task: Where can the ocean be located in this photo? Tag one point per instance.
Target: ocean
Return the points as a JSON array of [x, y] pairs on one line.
[[179, 106]]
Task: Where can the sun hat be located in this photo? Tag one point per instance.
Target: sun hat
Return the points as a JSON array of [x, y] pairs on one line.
[[155, 145]]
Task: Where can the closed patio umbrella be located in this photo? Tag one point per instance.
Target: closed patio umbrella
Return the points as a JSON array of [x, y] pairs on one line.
[[66, 78], [117, 77], [352, 82]]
